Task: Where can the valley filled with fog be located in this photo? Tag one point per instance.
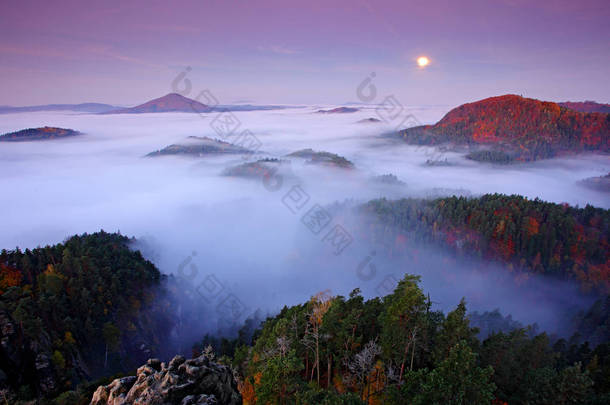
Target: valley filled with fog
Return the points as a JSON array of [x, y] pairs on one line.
[[243, 233]]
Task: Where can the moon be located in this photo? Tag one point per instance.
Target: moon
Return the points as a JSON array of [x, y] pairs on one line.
[[423, 61]]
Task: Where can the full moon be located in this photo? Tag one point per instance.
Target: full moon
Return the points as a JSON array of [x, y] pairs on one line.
[[423, 61]]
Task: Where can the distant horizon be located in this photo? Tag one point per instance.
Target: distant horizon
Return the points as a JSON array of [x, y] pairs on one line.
[[252, 102]]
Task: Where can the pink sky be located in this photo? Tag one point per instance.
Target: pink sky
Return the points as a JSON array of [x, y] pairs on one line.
[[304, 52]]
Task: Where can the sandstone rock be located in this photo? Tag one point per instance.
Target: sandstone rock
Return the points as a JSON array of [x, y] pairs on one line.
[[198, 400], [176, 361], [154, 363], [181, 382], [46, 375]]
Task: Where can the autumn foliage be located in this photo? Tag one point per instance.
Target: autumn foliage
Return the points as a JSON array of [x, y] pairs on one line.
[[397, 350], [527, 128], [9, 277], [530, 236]]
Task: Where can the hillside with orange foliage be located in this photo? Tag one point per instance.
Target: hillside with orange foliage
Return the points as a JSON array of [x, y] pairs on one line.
[[9, 277], [529, 236], [525, 128]]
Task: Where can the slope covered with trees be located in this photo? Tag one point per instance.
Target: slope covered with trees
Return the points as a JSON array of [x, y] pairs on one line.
[[322, 158], [526, 128], [531, 236], [86, 308], [397, 350]]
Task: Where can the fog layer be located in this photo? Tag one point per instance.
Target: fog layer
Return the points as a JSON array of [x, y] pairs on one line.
[[248, 236]]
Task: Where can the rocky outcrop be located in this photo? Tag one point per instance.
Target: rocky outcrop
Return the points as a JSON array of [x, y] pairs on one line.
[[181, 382]]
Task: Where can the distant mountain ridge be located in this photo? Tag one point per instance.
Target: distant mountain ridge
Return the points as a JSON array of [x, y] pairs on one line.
[[586, 106], [83, 107], [339, 110], [525, 128], [169, 103], [172, 102]]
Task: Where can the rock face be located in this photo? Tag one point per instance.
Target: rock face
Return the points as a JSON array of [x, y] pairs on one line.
[[181, 382]]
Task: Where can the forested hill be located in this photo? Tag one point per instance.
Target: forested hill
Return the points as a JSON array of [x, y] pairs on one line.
[[526, 129], [397, 350], [91, 307], [38, 134], [75, 311], [531, 236]]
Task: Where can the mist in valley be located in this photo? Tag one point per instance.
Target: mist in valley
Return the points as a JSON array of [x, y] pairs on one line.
[[243, 244]]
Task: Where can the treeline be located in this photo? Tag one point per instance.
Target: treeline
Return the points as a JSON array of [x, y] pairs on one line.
[[530, 236], [397, 350], [76, 311]]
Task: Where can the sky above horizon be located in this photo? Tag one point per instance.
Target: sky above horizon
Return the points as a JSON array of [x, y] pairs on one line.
[[315, 52]]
